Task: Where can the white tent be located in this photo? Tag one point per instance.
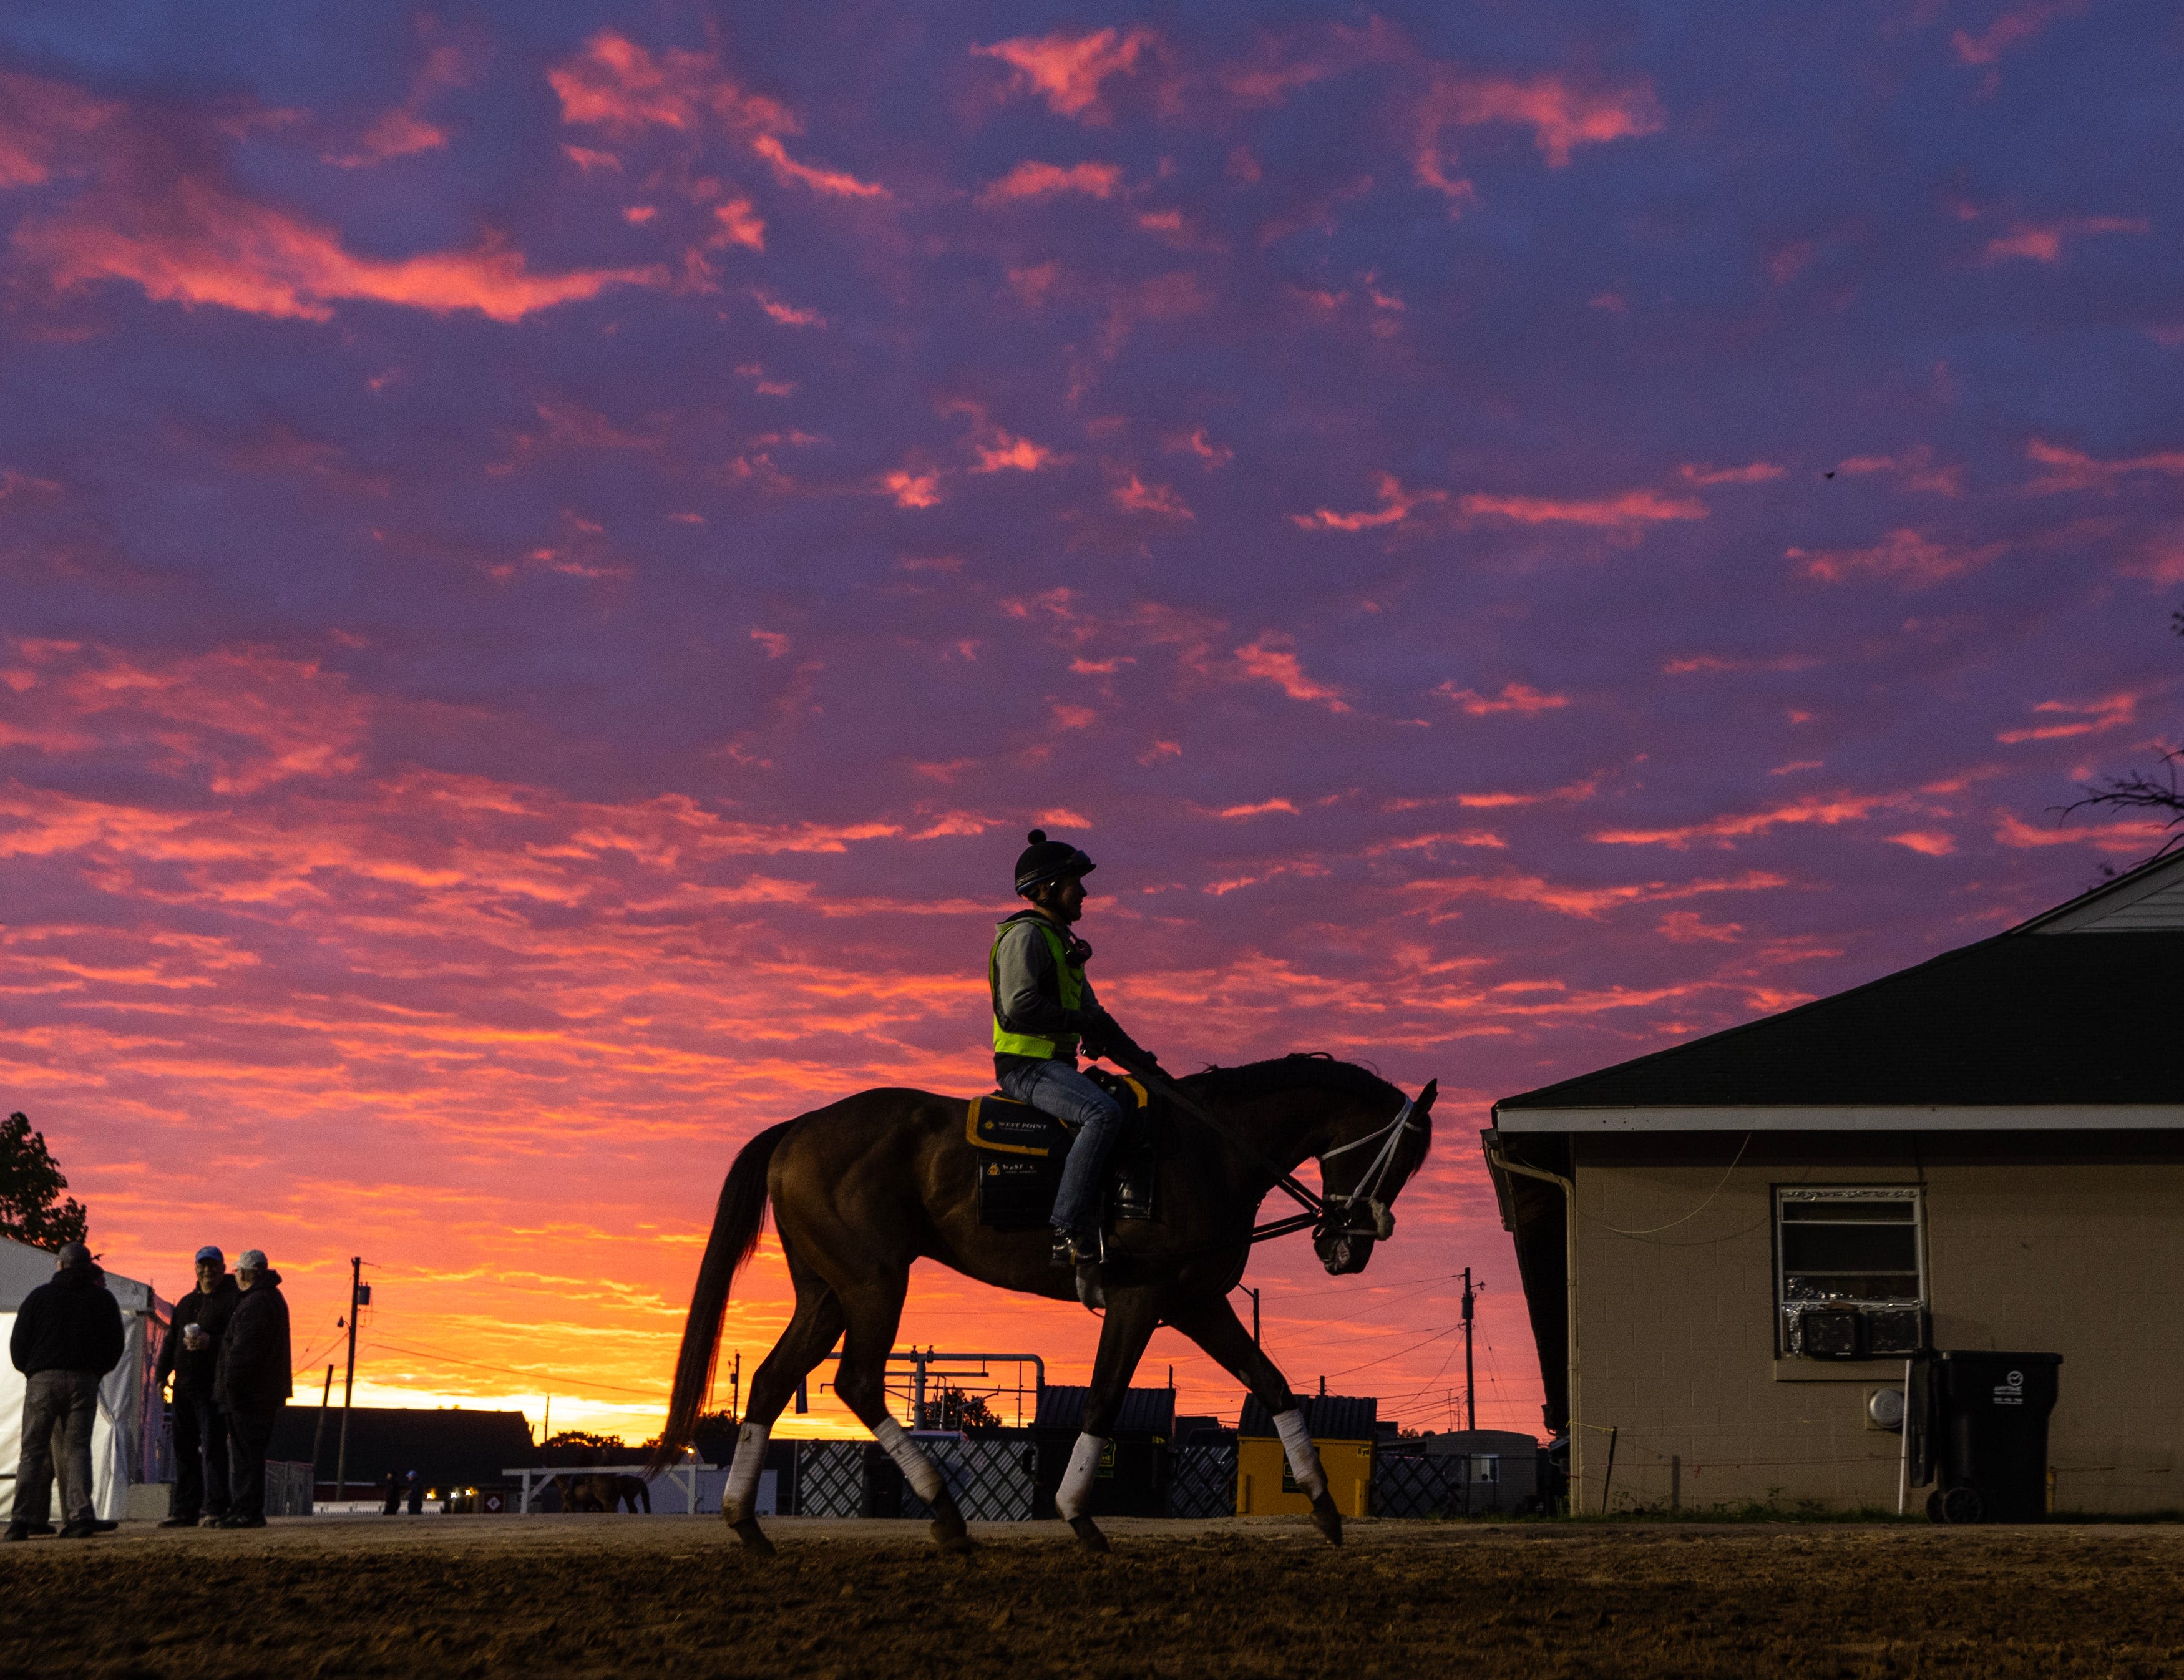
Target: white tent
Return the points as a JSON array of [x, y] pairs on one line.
[[128, 1440]]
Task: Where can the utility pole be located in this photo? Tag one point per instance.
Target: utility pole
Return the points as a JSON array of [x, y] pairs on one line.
[[736, 1389], [1470, 1393], [358, 1294], [319, 1435]]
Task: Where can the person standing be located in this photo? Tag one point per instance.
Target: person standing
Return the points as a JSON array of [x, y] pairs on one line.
[[68, 1336], [189, 1354], [250, 1382]]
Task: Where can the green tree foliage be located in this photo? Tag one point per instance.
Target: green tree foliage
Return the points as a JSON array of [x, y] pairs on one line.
[[31, 1207]]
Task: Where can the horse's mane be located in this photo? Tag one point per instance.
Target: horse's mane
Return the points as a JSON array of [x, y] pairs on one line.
[[1309, 1070]]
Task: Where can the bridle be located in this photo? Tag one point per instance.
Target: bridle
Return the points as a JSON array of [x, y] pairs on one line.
[[1329, 1217]]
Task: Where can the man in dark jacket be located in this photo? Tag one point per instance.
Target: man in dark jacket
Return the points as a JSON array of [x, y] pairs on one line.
[[189, 1355], [250, 1382], [68, 1336]]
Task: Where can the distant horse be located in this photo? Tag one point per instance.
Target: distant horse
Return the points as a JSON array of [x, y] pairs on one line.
[[604, 1493], [861, 1189]]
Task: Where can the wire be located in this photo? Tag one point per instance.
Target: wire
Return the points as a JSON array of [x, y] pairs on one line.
[[1656, 1231], [1399, 1353], [509, 1370]]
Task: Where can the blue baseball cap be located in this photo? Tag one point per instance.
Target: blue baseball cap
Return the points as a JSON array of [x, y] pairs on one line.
[[210, 1253]]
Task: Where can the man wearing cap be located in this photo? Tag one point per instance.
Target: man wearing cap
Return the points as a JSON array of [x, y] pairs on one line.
[[189, 1354], [1044, 1011], [68, 1335], [250, 1382]]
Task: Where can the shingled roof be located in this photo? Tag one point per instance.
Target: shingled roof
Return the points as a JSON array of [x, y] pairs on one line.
[[2077, 1008]]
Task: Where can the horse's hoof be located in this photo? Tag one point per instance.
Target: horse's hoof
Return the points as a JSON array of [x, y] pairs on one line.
[[753, 1538], [949, 1532], [1327, 1519], [1088, 1533]]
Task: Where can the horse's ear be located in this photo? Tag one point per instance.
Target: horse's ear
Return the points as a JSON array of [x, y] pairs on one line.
[[1425, 1098]]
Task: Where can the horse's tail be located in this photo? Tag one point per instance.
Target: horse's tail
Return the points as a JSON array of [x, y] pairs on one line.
[[737, 1223]]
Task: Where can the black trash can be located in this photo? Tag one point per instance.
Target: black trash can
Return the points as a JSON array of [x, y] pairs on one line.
[[1990, 1435]]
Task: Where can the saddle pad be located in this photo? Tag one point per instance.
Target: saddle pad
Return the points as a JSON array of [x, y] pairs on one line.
[[1020, 1152]]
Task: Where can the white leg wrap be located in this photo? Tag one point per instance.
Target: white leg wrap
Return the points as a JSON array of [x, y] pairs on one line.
[[919, 1470], [1075, 1496], [744, 1470], [1304, 1457]]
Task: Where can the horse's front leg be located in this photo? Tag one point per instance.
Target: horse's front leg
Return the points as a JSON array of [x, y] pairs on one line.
[[1132, 1317], [1214, 1325]]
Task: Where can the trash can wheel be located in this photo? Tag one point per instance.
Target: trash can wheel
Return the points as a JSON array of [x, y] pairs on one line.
[[1963, 1505], [1934, 1506]]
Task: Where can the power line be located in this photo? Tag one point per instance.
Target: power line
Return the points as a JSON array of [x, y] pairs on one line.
[[504, 1370]]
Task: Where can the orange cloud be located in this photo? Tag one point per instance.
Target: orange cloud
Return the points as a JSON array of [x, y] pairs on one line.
[[2127, 838], [1265, 807], [398, 134], [1758, 473], [2015, 26], [912, 490], [1631, 508], [206, 245], [1033, 180], [1134, 497], [2072, 469], [831, 183], [1007, 454], [1904, 556], [1066, 70], [1588, 902], [618, 86], [2086, 717], [1693, 664], [1271, 659], [1514, 697], [1927, 842], [2044, 242], [1396, 506]]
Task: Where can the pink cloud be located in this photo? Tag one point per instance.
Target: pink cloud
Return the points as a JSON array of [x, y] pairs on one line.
[[2127, 838], [39, 120], [1818, 810], [398, 134], [829, 183], [1210, 455], [2070, 469], [1756, 472], [1561, 117], [1631, 508], [1687, 927], [1137, 497], [2044, 242], [615, 85], [1916, 465], [1066, 70], [787, 315], [1265, 807], [1927, 842], [2084, 717], [1588, 902], [1034, 179], [1007, 454], [2016, 26], [1271, 658], [740, 226], [1515, 697], [1904, 556], [586, 159]]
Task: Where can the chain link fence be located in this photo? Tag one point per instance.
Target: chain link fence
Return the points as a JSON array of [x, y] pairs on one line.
[[1204, 1482]]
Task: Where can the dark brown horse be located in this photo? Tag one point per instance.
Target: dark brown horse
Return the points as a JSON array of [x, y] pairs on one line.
[[864, 1187]]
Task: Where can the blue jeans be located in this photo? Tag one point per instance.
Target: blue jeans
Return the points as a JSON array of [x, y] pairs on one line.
[[1056, 1088]]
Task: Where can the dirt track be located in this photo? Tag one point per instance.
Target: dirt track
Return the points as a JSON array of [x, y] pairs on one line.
[[669, 1596]]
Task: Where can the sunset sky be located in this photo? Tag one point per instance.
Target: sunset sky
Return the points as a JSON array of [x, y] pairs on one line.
[[550, 553]]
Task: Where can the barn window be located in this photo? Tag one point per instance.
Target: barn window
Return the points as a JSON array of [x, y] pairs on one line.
[[1850, 1272]]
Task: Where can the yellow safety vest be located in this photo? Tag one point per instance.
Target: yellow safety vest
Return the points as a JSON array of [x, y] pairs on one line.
[[1072, 994]]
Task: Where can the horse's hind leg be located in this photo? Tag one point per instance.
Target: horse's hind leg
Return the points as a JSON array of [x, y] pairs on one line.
[[809, 1337], [1214, 1325], [874, 1314]]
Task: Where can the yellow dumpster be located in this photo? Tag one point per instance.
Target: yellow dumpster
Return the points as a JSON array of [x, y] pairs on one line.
[[1264, 1487]]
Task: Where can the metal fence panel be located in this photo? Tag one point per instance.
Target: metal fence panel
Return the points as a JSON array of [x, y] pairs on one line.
[[1418, 1484], [1204, 1482], [991, 1480], [830, 1478]]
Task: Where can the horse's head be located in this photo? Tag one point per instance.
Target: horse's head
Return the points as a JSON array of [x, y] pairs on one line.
[[1360, 1172]]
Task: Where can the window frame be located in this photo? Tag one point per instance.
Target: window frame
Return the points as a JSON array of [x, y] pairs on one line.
[[1782, 1194]]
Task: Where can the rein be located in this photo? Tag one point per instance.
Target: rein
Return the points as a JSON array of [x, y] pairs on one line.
[[1323, 1213]]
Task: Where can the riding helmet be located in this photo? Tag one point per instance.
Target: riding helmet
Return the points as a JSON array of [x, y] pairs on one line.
[[1045, 860]]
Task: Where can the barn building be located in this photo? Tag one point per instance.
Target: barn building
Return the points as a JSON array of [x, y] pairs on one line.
[[1730, 1248]]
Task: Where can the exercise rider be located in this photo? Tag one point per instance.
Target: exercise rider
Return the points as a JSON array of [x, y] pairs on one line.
[[1043, 1012]]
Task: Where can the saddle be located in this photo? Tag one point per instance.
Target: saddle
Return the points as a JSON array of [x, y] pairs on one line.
[[1020, 1152]]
